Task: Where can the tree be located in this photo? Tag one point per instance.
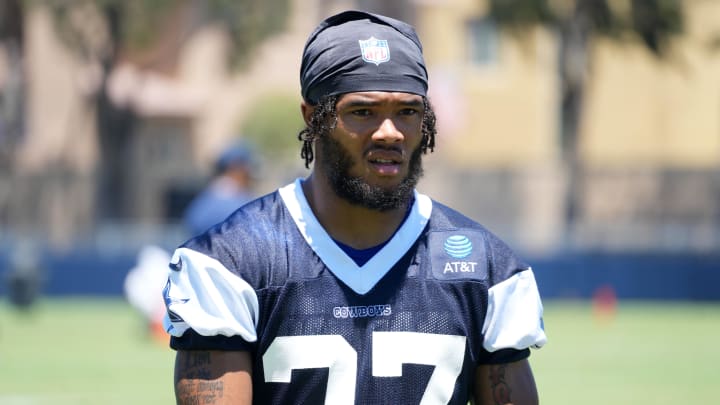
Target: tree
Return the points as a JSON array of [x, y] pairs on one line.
[[654, 22], [103, 31], [11, 84]]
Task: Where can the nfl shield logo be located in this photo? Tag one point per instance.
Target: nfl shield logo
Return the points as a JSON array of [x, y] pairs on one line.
[[375, 50]]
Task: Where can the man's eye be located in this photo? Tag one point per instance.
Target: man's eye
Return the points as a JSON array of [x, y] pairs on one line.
[[361, 113], [409, 111]]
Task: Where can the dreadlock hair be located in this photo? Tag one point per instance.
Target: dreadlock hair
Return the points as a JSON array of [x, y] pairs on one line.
[[324, 119]]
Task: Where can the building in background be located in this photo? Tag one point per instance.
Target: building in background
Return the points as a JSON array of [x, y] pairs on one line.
[[650, 136], [649, 139]]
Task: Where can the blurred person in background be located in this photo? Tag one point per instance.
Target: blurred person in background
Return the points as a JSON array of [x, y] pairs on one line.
[[26, 275], [143, 286], [230, 188], [349, 286]]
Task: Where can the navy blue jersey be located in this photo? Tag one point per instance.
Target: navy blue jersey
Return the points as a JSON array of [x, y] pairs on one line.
[[409, 326]]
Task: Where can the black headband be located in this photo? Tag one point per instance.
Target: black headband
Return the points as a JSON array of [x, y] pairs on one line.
[[358, 51]]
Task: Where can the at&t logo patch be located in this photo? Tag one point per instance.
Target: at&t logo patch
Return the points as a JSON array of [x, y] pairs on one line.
[[458, 246], [458, 254]]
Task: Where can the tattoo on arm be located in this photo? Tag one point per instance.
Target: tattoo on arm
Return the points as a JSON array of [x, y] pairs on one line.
[[500, 388], [196, 365], [199, 392], [195, 384]]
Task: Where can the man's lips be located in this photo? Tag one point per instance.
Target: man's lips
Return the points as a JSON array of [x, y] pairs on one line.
[[385, 156], [387, 162]]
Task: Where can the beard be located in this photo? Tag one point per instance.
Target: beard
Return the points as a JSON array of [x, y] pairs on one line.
[[336, 165]]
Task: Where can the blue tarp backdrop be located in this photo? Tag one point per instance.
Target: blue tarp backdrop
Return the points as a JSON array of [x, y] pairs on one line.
[[645, 275], [649, 275]]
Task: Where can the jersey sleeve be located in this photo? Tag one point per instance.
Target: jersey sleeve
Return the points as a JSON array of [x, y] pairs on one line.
[[207, 303], [514, 314]]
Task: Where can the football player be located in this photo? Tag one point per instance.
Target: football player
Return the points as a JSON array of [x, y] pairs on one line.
[[349, 286]]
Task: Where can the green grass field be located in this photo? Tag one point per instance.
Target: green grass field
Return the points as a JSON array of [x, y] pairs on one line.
[[96, 351]]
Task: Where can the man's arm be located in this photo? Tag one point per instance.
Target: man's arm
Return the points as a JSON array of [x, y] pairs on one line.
[[204, 377], [505, 384]]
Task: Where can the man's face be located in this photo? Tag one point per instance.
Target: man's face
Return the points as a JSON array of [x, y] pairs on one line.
[[373, 158]]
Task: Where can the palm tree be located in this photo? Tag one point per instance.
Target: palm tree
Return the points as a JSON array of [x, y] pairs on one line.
[[653, 22], [12, 85], [128, 26]]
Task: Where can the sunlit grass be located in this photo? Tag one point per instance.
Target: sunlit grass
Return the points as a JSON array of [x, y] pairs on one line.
[[89, 351], [97, 351], [644, 353]]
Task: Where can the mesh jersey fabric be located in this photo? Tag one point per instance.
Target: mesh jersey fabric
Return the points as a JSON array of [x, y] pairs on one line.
[[432, 290]]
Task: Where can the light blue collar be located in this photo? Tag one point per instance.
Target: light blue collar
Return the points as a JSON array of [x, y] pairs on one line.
[[360, 279]]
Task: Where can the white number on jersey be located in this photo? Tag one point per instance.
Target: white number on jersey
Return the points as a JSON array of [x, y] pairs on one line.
[[287, 353], [390, 351]]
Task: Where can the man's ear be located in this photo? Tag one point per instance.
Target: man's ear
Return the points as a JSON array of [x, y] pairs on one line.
[[307, 111]]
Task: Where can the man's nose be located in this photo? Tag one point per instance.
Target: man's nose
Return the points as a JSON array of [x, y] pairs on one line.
[[388, 132]]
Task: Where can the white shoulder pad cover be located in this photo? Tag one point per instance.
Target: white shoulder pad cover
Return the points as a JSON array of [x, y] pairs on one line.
[[514, 314], [203, 295]]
